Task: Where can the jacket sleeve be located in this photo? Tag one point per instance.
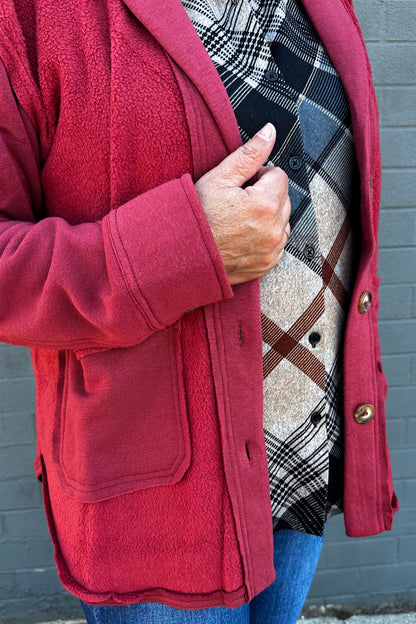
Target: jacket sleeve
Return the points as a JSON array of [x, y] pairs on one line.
[[103, 284]]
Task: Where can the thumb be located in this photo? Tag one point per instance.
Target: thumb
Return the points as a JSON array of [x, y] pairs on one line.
[[243, 164]]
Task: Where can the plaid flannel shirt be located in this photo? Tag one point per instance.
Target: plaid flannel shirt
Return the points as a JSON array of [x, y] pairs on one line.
[[275, 68]]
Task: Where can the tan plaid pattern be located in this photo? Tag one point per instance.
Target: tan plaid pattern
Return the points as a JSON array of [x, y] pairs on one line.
[[285, 344]]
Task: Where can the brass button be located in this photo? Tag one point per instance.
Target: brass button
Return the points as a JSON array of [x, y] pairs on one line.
[[364, 302], [364, 413]]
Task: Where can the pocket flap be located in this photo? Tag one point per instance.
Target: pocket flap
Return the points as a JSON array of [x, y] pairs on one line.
[[123, 423]]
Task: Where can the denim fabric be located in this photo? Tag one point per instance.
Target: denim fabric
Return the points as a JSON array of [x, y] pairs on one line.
[[295, 558], [156, 613]]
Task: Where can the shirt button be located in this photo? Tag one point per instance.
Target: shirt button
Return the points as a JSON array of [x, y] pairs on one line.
[[309, 252], [316, 417], [295, 163], [314, 338], [272, 75]]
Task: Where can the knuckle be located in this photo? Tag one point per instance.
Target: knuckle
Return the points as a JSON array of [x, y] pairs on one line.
[[269, 210], [275, 241], [279, 235], [270, 206], [282, 175], [282, 183], [268, 261], [239, 167], [272, 202], [247, 151]]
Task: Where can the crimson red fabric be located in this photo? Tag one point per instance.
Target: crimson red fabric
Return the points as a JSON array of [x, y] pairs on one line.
[[179, 539], [147, 362]]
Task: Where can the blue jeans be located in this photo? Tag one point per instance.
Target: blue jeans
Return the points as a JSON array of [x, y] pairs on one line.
[[295, 559]]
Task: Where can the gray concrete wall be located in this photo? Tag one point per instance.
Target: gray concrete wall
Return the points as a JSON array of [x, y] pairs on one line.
[[376, 570]]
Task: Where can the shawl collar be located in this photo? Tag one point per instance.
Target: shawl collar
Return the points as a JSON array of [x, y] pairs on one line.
[[171, 27], [333, 20]]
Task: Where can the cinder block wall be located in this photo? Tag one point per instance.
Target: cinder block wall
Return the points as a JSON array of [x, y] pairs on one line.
[[29, 589], [379, 569], [382, 569]]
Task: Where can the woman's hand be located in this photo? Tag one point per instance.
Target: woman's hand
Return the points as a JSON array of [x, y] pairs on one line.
[[250, 225]]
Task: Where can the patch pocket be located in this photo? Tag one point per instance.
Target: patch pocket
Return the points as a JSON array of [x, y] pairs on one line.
[[122, 424]]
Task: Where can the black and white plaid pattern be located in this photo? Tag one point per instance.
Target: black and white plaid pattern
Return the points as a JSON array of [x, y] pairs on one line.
[[298, 488], [275, 68]]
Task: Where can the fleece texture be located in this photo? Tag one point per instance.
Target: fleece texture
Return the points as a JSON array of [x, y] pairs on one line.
[[204, 554], [147, 362]]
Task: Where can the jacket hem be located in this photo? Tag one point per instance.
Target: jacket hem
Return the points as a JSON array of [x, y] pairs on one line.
[[218, 598]]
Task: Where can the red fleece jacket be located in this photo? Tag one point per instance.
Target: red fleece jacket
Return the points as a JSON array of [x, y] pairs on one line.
[[145, 411]]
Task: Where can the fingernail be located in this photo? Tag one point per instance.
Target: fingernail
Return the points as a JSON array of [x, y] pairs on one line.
[[266, 132]]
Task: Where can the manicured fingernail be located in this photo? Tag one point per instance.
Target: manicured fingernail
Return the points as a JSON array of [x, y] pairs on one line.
[[267, 132]]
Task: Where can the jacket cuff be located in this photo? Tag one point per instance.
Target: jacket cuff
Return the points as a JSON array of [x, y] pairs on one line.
[[163, 249]]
